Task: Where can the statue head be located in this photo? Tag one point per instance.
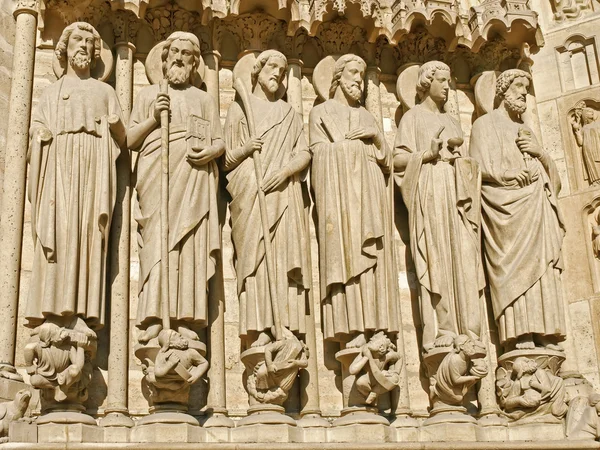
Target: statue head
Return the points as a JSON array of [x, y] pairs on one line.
[[180, 57], [79, 45], [50, 334], [523, 366], [512, 87], [380, 344], [168, 339], [268, 72], [348, 75], [588, 115], [434, 81]]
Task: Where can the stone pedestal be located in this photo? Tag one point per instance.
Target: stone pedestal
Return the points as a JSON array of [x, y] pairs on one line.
[[168, 432], [360, 432], [492, 427], [69, 432], [267, 433], [404, 429], [448, 427]]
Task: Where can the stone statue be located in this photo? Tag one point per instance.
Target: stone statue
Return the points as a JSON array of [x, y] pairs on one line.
[[586, 128], [58, 360], [12, 411], [76, 135], [194, 232], [460, 369], [271, 380], [583, 420], [529, 390], [440, 186], [376, 368], [176, 367], [596, 234], [350, 157], [279, 138], [522, 225]]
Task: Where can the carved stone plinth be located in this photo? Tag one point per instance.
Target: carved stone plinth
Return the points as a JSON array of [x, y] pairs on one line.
[[529, 388], [72, 432], [360, 432], [168, 432], [267, 432], [168, 384]]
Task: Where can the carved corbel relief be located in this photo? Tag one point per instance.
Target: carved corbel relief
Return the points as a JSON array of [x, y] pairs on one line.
[[591, 227], [578, 64], [584, 119]]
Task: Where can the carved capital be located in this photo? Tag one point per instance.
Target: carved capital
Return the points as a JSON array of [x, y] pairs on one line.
[[254, 31], [26, 6], [338, 37], [170, 18], [125, 27]]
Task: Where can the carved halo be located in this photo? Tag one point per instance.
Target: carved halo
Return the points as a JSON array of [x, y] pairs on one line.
[[154, 70], [243, 69], [323, 75], [101, 70], [406, 86], [485, 91]]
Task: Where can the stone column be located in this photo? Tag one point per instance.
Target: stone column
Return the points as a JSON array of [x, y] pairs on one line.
[[294, 89], [373, 94], [117, 413], [216, 401], [15, 169]]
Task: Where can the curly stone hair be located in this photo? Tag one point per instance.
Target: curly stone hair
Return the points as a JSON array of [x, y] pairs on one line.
[[338, 69], [262, 60], [426, 73], [505, 80], [61, 47]]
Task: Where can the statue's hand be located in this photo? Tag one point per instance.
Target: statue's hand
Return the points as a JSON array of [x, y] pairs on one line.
[[161, 104], [199, 156], [31, 369], [523, 177], [277, 179], [254, 144], [362, 133], [575, 123], [44, 134], [272, 368], [526, 145], [436, 146]]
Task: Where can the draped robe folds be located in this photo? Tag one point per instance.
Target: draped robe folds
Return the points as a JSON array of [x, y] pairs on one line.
[[72, 189], [523, 233], [281, 130], [194, 230], [443, 202], [358, 278], [591, 151]]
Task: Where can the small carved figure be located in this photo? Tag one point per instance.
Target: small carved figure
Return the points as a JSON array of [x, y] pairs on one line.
[[12, 411], [194, 232], [175, 369], [529, 390], [583, 420], [376, 368], [59, 361], [358, 279], [460, 369], [272, 378], [76, 135], [440, 186], [522, 226], [274, 130], [596, 235], [586, 128]]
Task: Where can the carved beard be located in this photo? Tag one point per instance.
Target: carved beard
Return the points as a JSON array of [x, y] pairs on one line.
[[351, 90], [182, 345], [515, 103], [179, 74], [80, 60]]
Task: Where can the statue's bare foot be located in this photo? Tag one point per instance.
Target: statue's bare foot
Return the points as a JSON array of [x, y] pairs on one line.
[[357, 342], [150, 333], [263, 339], [525, 343], [445, 340], [549, 343], [188, 333], [371, 398]]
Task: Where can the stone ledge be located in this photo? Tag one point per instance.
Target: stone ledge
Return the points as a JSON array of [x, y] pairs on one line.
[[522, 445]]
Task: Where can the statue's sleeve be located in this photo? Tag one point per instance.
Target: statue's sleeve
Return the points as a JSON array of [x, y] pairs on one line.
[[114, 106], [480, 151], [236, 134], [139, 112], [406, 145]]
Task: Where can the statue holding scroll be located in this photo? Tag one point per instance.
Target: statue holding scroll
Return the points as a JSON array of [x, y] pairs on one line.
[[440, 187], [270, 126], [350, 157], [194, 235], [522, 225]]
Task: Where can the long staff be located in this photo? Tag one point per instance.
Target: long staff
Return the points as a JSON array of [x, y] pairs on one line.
[[164, 213], [244, 97]]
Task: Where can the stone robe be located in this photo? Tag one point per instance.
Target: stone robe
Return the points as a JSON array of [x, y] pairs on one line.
[[358, 278], [591, 151], [72, 189], [194, 230], [523, 233], [443, 204], [281, 129]]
